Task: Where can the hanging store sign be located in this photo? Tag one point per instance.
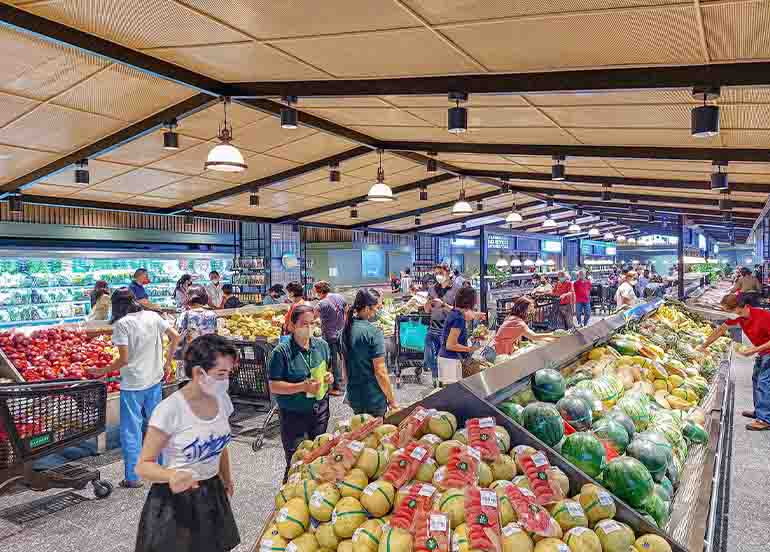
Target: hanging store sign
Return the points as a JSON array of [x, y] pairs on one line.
[[495, 241], [551, 246]]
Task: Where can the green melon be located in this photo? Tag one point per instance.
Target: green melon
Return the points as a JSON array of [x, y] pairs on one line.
[[586, 452], [623, 419], [548, 385], [694, 433], [628, 479], [662, 492], [608, 389], [576, 412], [607, 429], [657, 508], [512, 410], [652, 456], [584, 392], [637, 406], [544, 422], [665, 482]]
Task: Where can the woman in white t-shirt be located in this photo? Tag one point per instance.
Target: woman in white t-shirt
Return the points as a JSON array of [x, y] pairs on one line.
[[188, 507], [626, 294]]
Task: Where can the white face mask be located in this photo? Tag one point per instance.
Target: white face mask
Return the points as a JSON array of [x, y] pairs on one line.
[[440, 278], [215, 282], [302, 333], [213, 386]]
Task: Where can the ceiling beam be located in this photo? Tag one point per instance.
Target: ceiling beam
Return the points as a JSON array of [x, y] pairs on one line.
[[53, 31], [623, 209], [584, 80], [266, 181], [631, 152], [479, 215], [100, 147]]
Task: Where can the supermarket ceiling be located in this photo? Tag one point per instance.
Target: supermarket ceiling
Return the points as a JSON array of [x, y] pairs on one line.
[[606, 84]]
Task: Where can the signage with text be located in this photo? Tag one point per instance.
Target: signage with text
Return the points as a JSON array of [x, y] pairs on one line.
[[551, 246]]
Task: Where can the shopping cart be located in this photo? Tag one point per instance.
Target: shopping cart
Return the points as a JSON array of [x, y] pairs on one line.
[[409, 335], [250, 391], [38, 419]]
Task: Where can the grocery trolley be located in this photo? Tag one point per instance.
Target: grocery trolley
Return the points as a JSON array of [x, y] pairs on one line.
[[250, 391], [38, 419], [409, 336], [542, 317]]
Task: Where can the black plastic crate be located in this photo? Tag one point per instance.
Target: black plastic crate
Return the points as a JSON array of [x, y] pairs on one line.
[[249, 380], [37, 419]]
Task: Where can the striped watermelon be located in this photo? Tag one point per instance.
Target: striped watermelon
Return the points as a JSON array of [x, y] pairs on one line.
[[512, 410], [623, 419], [548, 385], [648, 453], [585, 451], [637, 406], [608, 429], [628, 479], [544, 422], [576, 412], [608, 389]]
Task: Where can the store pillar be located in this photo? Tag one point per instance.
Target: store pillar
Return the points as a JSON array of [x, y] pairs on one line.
[[680, 257], [483, 284]]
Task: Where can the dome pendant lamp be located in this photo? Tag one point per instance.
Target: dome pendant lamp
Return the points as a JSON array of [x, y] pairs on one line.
[[380, 192], [225, 157], [462, 207], [513, 217]]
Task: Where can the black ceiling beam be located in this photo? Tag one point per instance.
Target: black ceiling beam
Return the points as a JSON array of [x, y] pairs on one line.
[[292, 217], [695, 185], [631, 152], [586, 80], [54, 31], [266, 181], [623, 209], [478, 215], [108, 143], [551, 213]]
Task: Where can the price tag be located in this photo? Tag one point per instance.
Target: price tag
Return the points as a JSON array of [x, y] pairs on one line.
[[561, 547], [334, 517], [421, 415], [267, 543], [511, 529], [487, 422], [430, 462], [575, 509], [578, 530], [385, 528], [475, 453], [605, 499], [291, 547], [427, 490], [527, 492], [438, 477], [370, 489], [609, 526], [438, 522], [356, 446], [432, 439], [519, 449], [317, 499], [539, 459], [419, 453], [283, 515], [488, 498]]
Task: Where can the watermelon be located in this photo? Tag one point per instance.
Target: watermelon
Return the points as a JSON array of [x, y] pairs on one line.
[[576, 412], [653, 457], [523, 397], [659, 440], [624, 419], [672, 474], [577, 377], [662, 492], [608, 389], [665, 482], [544, 422], [548, 385], [637, 406], [512, 410], [657, 508], [609, 430], [694, 433], [582, 392], [586, 452], [628, 479]]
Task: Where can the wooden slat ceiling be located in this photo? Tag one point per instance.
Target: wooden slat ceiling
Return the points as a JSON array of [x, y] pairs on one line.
[[56, 99]]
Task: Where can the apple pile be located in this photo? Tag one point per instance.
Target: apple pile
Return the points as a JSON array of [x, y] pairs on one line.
[[56, 353]]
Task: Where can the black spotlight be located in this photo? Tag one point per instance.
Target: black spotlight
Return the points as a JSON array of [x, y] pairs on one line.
[[254, 199], [189, 220], [366, 233], [728, 217], [415, 238], [705, 118], [354, 212], [579, 212], [288, 113], [423, 193], [549, 201], [432, 164], [16, 205], [479, 206], [558, 170], [170, 137], [417, 222], [457, 116], [651, 217], [334, 172], [505, 187], [718, 178], [81, 172], [606, 193], [463, 227], [724, 201]]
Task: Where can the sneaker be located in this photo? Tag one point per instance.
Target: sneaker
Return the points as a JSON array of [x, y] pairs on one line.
[[126, 484]]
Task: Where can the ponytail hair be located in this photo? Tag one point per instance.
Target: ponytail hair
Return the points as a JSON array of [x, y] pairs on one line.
[[364, 298]]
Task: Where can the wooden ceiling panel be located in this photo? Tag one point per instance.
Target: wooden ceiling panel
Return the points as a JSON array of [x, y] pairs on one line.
[[552, 135], [147, 149], [629, 97], [737, 31], [315, 146], [259, 166], [608, 116], [746, 138], [656, 165], [189, 188], [475, 100], [586, 40], [151, 201], [99, 195], [99, 171], [266, 20], [417, 134], [347, 192], [488, 117], [758, 168], [364, 116], [11, 107], [50, 190], [190, 161], [267, 134], [543, 164], [392, 164], [745, 117], [205, 123], [388, 54], [645, 137], [138, 182], [15, 162]]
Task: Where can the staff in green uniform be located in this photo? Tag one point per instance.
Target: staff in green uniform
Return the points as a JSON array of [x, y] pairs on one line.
[[303, 413], [369, 390]]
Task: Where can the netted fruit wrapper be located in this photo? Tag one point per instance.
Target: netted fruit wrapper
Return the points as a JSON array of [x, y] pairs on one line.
[[482, 519], [405, 462], [410, 428], [536, 468], [482, 437]]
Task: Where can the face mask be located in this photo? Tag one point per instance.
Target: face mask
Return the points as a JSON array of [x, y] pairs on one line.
[[215, 282], [562, 279], [213, 386], [440, 278], [302, 333], [634, 282]]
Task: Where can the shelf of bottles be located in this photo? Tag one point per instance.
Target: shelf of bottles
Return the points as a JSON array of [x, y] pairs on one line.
[[249, 278], [39, 290]]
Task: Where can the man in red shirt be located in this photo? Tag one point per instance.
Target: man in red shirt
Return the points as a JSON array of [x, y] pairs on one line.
[[755, 323], [566, 294], [582, 288]]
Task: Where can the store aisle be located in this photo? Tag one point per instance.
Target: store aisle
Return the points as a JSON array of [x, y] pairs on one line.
[[749, 516]]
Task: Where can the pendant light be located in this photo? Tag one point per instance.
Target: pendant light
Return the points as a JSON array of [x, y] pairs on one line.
[[550, 262], [609, 236], [354, 212], [539, 262], [457, 117], [423, 193], [558, 170], [594, 232], [15, 205], [528, 262], [515, 261], [225, 157], [718, 178], [631, 241], [574, 227], [462, 207], [549, 222], [704, 121], [254, 198], [606, 193], [170, 137], [288, 113], [334, 172], [479, 205], [513, 217], [463, 227], [501, 263], [432, 164], [380, 192], [621, 239], [82, 175]]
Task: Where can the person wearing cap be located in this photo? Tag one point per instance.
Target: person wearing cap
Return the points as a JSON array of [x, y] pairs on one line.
[[755, 323], [625, 296], [747, 285], [565, 293]]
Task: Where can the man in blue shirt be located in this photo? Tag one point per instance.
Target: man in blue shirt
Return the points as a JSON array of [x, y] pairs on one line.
[[141, 279]]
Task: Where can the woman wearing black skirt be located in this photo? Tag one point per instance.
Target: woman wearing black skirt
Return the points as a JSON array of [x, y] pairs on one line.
[[188, 507]]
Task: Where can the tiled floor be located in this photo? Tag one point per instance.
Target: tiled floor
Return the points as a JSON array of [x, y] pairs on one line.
[[110, 525]]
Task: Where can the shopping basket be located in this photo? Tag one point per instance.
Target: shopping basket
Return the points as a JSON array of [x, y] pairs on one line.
[[250, 388], [409, 335], [38, 419]]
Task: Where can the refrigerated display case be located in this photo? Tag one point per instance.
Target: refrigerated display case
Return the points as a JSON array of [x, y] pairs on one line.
[[45, 287]]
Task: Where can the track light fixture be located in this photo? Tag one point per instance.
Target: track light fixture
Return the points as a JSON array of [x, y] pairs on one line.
[[457, 118], [704, 121], [334, 172], [254, 198], [505, 187], [718, 177], [724, 201], [558, 170], [82, 175], [354, 212], [651, 217], [288, 113], [549, 201], [463, 227], [432, 164], [479, 205], [461, 206], [423, 193], [380, 192], [15, 205], [170, 137], [225, 157], [606, 193], [417, 221], [189, 220]]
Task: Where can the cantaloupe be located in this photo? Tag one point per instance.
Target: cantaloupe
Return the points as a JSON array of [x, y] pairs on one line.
[[353, 483], [307, 444], [520, 451], [287, 491], [485, 475], [345, 546], [367, 537], [503, 467], [551, 545], [443, 450], [396, 540], [306, 542], [597, 503], [426, 471], [342, 426], [561, 479], [452, 503], [554, 530], [515, 539], [461, 435], [614, 536], [323, 501], [305, 489], [272, 541], [348, 516], [438, 477], [326, 536], [569, 514], [580, 539], [503, 439], [358, 420], [372, 462], [378, 497], [443, 424], [460, 539], [507, 512], [385, 429], [651, 543], [293, 518]]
